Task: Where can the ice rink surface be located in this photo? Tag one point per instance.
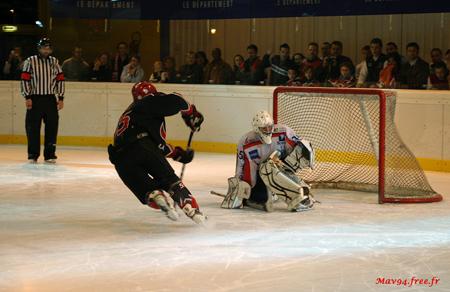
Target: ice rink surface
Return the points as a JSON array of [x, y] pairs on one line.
[[74, 226]]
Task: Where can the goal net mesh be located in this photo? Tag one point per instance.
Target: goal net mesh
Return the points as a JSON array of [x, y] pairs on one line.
[[344, 129]]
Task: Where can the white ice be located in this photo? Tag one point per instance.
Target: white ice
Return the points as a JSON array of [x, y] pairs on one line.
[[74, 226]]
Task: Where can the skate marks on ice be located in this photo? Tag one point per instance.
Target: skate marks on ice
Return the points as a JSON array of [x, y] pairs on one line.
[[74, 227]]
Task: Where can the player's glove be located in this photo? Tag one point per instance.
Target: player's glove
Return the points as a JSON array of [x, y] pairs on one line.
[[181, 155], [192, 118]]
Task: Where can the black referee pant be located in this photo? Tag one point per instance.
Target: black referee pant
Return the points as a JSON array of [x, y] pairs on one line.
[[45, 109]]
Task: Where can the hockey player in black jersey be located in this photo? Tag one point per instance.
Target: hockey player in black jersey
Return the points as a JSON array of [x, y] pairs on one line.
[[139, 152]]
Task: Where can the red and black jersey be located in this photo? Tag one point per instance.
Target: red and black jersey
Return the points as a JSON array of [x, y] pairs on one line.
[[145, 118]]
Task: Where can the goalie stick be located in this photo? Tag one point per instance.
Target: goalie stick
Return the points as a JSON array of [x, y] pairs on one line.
[[217, 194], [248, 203], [223, 196]]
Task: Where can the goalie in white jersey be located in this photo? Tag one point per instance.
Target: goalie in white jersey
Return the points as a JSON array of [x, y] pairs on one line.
[[268, 159]]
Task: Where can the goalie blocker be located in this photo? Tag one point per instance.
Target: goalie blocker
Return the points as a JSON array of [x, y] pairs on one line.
[[267, 162]]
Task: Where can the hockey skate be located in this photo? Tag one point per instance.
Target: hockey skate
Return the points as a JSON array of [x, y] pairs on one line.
[[51, 160], [184, 199], [158, 200], [306, 204], [191, 209], [263, 206]]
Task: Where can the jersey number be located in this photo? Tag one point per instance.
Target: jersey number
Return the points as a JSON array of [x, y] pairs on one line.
[[124, 122]]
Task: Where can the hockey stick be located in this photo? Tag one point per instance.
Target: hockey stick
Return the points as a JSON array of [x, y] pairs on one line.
[[187, 147]]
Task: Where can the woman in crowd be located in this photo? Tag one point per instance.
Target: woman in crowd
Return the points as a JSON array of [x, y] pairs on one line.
[[102, 68], [169, 74], [201, 59], [132, 72], [239, 69], [390, 74], [155, 77]]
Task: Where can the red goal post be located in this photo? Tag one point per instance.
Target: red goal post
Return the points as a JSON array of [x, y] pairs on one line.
[[357, 144]]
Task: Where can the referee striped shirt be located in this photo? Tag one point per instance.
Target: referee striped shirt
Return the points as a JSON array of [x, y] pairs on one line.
[[42, 76]]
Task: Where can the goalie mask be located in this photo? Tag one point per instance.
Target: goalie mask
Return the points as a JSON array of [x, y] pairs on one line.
[[263, 126]]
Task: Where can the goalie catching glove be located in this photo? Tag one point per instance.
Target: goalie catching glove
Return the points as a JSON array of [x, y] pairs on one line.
[[192, 118], [301, 157]]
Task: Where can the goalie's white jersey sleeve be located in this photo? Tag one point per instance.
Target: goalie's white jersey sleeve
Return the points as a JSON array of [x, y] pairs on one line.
[[251, 151]]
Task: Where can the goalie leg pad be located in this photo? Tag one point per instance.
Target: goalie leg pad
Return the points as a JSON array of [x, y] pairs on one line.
[[302, 156], [237, 191], [283, 184]]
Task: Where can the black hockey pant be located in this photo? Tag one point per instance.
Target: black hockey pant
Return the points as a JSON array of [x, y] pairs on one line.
[[143, 168], [259, 191], [45, 109]]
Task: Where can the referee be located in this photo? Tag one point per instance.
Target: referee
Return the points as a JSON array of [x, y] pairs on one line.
[[42, 80]]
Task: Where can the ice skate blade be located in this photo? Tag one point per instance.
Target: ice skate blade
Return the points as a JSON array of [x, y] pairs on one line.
[[199, 219], [194, 214], [302, 209], [171, 214]]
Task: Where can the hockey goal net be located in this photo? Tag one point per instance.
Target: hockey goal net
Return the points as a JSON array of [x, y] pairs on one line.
[[356, 141]]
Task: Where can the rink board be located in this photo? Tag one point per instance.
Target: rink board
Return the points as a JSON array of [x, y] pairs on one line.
[[92, 110]]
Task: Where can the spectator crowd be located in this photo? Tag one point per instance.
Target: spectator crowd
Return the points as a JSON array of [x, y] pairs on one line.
[[324, 65]]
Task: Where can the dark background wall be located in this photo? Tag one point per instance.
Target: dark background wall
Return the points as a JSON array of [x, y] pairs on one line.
[[176, 37]]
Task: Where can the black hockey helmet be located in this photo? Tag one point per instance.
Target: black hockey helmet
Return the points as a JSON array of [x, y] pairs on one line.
[[44, 42]]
